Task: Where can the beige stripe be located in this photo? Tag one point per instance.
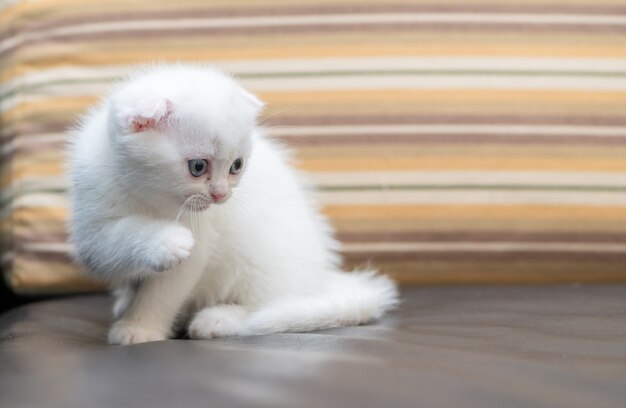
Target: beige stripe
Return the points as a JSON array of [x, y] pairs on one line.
[[483, 247], [473, 197], [435, 178], [40, 200], [42, 182], [461, 128], [56, 247], [5, 4], [43, 138], [449, 157], [36, 276]]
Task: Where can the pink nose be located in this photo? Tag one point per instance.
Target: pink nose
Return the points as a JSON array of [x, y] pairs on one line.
[[218, 196]]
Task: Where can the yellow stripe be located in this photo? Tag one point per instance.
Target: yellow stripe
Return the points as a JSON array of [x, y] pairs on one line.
[[454, 225], [35, 215], [53, 106], [35, 168], [464, 163], [497, 213], [537, 212], [450, 96], [10, 15], [31, 276]]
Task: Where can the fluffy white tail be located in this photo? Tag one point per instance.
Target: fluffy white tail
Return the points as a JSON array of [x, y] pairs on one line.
[[352, 299]]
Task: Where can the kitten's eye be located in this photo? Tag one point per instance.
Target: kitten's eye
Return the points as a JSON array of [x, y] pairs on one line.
[[236, 166], [198, 167]]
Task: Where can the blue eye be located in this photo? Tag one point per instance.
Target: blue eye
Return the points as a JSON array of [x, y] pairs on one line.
[[198, 167], [236, 167]]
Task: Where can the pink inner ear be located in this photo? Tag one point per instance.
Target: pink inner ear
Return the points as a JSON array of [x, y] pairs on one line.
[[141, 123]]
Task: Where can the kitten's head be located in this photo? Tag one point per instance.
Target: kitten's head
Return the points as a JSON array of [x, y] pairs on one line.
[[182, 135]]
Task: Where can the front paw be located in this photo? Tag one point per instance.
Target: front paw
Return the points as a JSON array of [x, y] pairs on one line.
[[217, 321], [125, 333], [172, 246]]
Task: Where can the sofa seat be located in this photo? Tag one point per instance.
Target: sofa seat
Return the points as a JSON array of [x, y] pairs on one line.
[[560, 346]]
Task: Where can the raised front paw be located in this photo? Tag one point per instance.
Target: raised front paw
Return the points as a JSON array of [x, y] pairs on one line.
[[172, 246], [126, 333]]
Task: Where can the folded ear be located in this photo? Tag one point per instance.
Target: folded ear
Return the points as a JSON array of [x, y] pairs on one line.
[[147, 115]]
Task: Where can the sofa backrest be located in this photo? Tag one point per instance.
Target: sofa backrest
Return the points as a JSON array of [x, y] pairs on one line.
[[452, 141]]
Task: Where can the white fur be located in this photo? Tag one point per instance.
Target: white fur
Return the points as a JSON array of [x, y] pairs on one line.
[[262, 261]]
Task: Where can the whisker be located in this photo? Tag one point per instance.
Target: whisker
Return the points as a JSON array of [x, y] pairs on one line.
[[265, 119], [193, 218], [183, 207], [241, 206]]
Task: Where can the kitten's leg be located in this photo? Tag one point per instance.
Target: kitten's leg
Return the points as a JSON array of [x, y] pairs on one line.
[[133, 247], [218, 321], [158, 300], [123, 296]]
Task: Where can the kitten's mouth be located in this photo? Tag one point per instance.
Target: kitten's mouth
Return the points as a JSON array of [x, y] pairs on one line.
[[198, 203]]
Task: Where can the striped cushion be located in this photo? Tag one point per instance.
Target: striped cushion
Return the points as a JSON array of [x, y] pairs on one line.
[[452, 141]]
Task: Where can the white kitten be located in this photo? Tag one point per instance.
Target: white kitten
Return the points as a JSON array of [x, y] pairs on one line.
[[195, 217]]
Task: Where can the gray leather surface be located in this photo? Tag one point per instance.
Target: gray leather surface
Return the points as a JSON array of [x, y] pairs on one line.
[[557, 346]]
